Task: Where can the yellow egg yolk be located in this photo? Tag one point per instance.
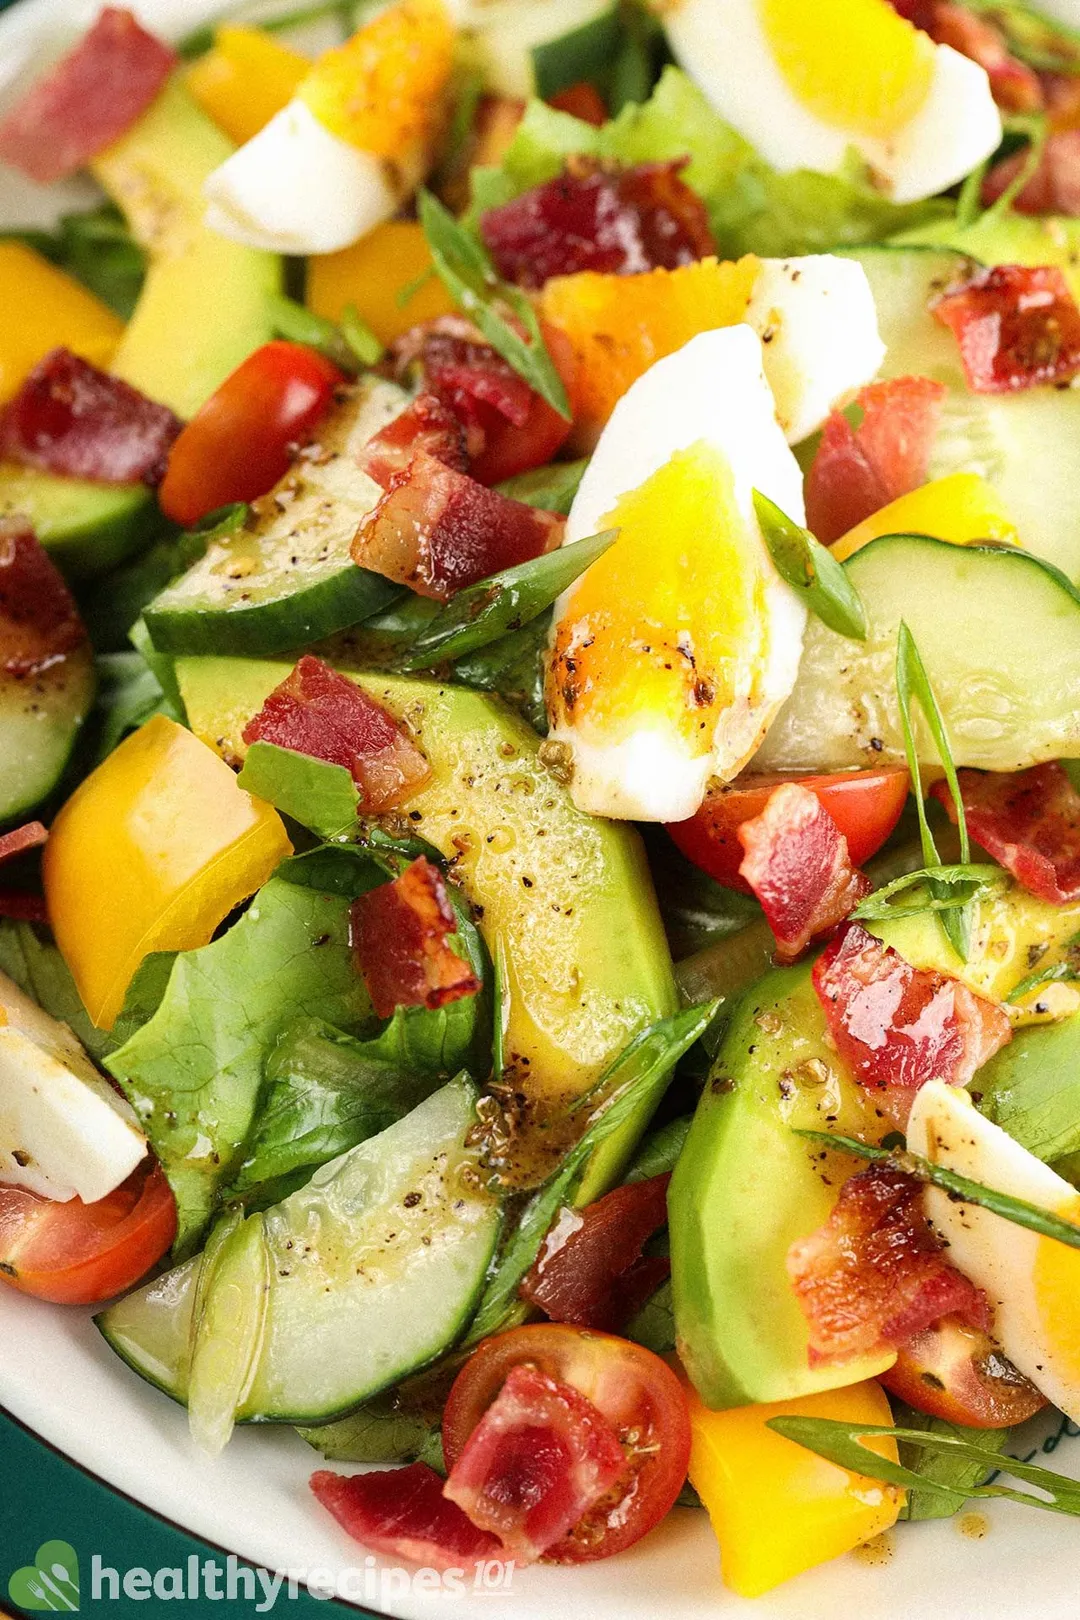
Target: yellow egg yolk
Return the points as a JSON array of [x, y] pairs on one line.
[[855, 64], [668, 628], [1057, 1289]]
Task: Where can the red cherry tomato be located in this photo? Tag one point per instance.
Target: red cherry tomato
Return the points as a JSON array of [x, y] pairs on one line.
[[241, 441], [866, 805], [510, 450], [78, 1254], [638, 1394], [957, 1372]]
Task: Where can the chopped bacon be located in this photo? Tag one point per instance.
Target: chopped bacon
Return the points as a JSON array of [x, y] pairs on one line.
[[426, 424], [508, 428], [22, 906], [87, 100], [437, 530], [876, 1274], [540, 1457], [858, 470], [919, 12], [593, 217], [39, 622], [403, 1513], [1016, 325], [582, 101], [399, 932], [798, 865], [68, 417], [318, 712], [897, 1026], [1054, 188], [1029, 821], [591, 1271], [31, 835], [1014, 85]]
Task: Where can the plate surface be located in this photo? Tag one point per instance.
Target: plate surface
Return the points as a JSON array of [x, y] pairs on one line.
[[59, 1378]]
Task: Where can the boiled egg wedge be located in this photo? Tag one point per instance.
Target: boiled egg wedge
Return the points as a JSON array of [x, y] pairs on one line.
[[64, 1131], [1032, 1282], [672, 653], [805, 83], [352, 144]]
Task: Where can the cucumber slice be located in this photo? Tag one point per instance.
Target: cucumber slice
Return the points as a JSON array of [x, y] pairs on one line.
[[367, 1281], [999, 633], [1027, 445], [287, 578], [40, 717], [86, 528]]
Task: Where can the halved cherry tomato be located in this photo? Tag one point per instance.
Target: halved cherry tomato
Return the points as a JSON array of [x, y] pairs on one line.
[[78, 1254], [509, 450], [957, 1372], [866, 805], [633, 1389], [241, 441]]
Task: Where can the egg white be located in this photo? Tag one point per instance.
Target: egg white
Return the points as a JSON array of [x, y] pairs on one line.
[[818, 326], [996, 1254], [297, 188], [722, 46], [713, 390]]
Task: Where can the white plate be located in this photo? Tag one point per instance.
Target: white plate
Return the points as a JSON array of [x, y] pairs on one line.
[[59, 1378]]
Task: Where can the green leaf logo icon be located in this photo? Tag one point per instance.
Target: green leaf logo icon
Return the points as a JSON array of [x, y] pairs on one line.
[[50, 1582]]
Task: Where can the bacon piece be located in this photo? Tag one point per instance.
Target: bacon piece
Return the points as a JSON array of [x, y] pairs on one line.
[[591, 1271], [1029, 821], [595, 218], [39, 622], [1014, 85], [22, 906], [1054, 188], [582, 101], [508, 428], [858, 470], [437, 530], [919, 12], [68, 417], [876, 1274], [399, 932], [31, 835], [1016, 325], [428, 425], [798, 865], [87, 100], [318, 712], [540, 1457], [403, 1513], [897, 1026]]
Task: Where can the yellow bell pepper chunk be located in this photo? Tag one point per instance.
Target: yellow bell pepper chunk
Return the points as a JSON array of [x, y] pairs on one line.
[[372, 273], [960, 508], [777, 1509], [151, 853], [245, 79], [53, 312]]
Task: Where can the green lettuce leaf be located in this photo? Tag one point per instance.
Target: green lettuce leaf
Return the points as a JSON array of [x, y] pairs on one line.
[[752, 208], [194, 1071], [1031, 1088]]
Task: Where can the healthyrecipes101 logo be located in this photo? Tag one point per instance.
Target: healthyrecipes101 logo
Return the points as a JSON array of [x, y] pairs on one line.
[[51, 1582]]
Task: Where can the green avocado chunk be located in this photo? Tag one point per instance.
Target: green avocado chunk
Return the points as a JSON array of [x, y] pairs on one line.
[[746, 1186], [564, 900]]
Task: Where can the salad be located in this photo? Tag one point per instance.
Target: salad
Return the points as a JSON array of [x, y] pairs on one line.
[[539, 748]]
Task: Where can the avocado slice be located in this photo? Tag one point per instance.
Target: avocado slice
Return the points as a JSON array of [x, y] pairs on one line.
[[202, 310], [564, 901], [746, 1187]]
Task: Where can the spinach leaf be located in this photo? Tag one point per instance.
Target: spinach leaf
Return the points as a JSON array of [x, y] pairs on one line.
[[585, 53], [513, 667], [1031, 1088], [659, 1152], [552, 487], [500, 311], [128, 694], [326, 1092], [482, 613], [351, 344], [639, 1075], [811, 569], [314, 792], [943, 1467], [380, 1431], [654, 1324], [194, 1071], [97, 248]]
